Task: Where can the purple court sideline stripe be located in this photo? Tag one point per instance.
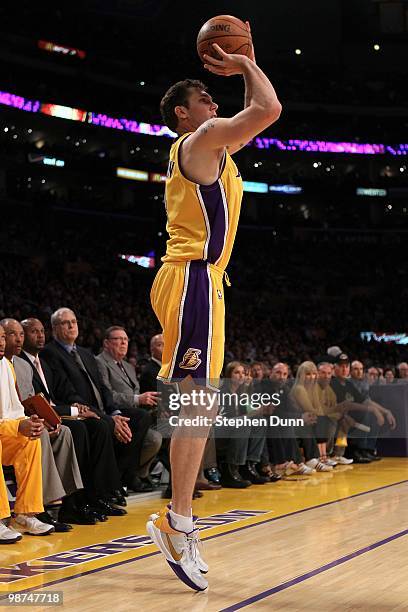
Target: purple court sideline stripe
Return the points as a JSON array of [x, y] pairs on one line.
[[315, 572], [217, 535]]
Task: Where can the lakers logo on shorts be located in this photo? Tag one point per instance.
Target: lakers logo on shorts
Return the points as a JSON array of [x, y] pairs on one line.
[[219, 294], [191, 359]]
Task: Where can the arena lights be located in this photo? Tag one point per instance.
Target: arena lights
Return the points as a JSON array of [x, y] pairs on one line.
[[47, 45], [288, 189], [388, 338], [63, 112], [145, 261], [133, 175], [255, 187], [47, 161], [130, 125], [155, 177], [371, 192]]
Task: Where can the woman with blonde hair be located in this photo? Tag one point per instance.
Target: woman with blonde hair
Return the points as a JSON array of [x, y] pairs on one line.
[[304, 395]]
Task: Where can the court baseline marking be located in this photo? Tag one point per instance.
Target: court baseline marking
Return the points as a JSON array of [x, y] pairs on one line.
[[217, 535], [323, 568]]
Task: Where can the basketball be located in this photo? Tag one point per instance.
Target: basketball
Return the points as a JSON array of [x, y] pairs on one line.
[[229, 32]]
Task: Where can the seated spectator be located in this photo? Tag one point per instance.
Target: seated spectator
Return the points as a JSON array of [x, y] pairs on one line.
[[283, 448], [128, 428], [280, 372], [239, 454], [361, 447], [148, 378], [318, 426], [402, 369], [257, 372], [357, 378], [20, 447], [389, 375], [120, 378], [373, 375], [61, 474], [91, 434], [337, 440]]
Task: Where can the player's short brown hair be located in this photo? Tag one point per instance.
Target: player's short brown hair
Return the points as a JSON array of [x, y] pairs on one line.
[[177, 95]]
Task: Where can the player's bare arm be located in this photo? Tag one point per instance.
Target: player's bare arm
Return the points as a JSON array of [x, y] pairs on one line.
[[206, 146]]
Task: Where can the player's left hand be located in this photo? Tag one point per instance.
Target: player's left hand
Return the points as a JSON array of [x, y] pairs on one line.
[[228, 65]]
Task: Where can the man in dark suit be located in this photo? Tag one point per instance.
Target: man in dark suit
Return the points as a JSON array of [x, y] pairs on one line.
[[92, 435], [148, 379], [128, 428]]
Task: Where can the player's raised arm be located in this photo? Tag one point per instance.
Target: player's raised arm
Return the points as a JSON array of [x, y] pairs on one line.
[[263, 107]]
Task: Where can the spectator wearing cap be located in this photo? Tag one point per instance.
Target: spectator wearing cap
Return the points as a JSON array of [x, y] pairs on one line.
[[336, 444], [361, 447]]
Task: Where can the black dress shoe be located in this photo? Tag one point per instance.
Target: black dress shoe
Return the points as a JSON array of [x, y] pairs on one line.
[[371, 456], [141, 485], [213, 475], [104, 507], [77, 516], [359, 457], [118, 499], [231, 478], [249, 472], [45, 517]]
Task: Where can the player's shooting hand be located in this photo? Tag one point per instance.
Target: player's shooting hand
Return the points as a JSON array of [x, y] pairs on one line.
[[252, 52], [228, 65]]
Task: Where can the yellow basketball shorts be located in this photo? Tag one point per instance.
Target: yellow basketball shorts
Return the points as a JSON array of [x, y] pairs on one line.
[[188, 299]]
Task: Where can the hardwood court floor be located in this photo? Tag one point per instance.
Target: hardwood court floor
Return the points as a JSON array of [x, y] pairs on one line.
[[334, 541]]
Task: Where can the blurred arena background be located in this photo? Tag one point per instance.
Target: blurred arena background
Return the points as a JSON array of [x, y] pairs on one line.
[[319, 257]]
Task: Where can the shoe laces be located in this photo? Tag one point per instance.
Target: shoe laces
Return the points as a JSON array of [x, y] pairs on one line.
[[193, 543]]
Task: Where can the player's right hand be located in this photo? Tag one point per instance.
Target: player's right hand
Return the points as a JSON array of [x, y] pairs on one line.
[[228, 65]]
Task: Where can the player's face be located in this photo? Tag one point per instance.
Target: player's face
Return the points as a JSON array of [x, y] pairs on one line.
[[201, 107]]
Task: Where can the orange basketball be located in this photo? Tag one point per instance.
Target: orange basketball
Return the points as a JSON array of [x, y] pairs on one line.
[[227, 31]]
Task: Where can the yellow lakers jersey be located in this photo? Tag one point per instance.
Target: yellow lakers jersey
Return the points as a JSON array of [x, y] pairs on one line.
[[202, 220]]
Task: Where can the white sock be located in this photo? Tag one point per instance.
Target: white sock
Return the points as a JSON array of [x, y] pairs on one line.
[[181, 523]]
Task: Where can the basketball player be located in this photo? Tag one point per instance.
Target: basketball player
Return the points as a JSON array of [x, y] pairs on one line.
[[203, 199]]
